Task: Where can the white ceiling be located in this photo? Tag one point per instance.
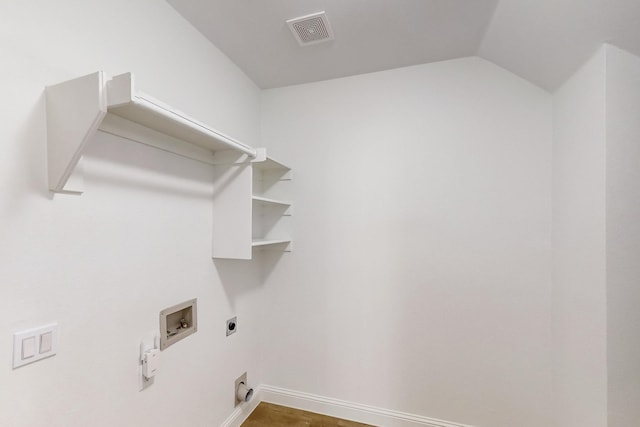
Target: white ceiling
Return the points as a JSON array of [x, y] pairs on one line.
[[543, 41]]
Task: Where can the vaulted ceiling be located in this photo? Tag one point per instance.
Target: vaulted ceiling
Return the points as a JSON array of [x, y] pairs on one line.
[[543, 41]]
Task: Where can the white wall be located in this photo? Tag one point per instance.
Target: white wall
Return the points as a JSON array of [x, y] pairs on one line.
[[596, 206], [623, 235], [421, 276], [420, 279], [579, 271], [105, 263]]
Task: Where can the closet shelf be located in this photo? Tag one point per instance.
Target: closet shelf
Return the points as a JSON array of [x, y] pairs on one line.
[[77, 108], [253, 207], [267, 242], [244, 205], [141, 108], [269, 163], [268, 201]]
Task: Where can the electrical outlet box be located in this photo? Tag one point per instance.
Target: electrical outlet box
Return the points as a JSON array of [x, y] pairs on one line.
[[178, 322], [232, 325]]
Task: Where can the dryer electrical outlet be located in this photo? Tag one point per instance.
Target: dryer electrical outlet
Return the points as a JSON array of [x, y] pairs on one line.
[[232, 325]]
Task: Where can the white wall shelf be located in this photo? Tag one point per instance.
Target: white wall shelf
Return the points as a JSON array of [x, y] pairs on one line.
[[254, 208], [271, 164], [266, 201], [78, 108], [267, 242], [249, 204]]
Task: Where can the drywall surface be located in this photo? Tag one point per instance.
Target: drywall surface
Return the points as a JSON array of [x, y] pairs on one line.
[[420, 277], [579, 273], [623, 235], [104, 264]]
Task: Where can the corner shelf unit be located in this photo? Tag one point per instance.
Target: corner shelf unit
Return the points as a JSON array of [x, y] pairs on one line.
[[243, 218], [259, 220], [78, 108]]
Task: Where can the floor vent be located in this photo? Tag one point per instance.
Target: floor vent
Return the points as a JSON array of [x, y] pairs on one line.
[[311, 29]]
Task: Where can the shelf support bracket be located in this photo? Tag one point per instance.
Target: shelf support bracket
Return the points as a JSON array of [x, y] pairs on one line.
[[75, 110]]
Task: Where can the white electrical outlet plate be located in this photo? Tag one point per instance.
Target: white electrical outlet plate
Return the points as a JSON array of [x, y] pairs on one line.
[[35, 344]]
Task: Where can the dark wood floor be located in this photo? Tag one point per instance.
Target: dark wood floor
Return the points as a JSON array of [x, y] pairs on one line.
[[270, 415]]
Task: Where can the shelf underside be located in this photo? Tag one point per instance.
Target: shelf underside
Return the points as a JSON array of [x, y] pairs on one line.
[[268, 242], [268, 201], [270, 164]]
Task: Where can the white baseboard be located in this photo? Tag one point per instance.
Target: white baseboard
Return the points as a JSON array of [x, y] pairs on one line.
[[346, 410]]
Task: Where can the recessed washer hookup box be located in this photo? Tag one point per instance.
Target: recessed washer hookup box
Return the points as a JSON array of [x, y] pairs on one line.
[[178, 322]]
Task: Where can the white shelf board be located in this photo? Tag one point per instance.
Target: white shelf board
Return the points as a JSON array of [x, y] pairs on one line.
[[270, 163], [126, 102], [77, 108], [270, 201], [267, 242]]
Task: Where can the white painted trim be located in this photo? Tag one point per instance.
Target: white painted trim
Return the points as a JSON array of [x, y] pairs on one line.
[[347, 410], [242, 411]]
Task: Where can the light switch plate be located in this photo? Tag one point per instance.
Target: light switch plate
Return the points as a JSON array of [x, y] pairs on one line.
[[40, 343]]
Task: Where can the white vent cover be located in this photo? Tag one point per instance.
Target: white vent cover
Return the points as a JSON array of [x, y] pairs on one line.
[[311, 29]]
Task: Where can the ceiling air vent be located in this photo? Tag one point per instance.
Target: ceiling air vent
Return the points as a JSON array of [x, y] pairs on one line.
[[311, 29]]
